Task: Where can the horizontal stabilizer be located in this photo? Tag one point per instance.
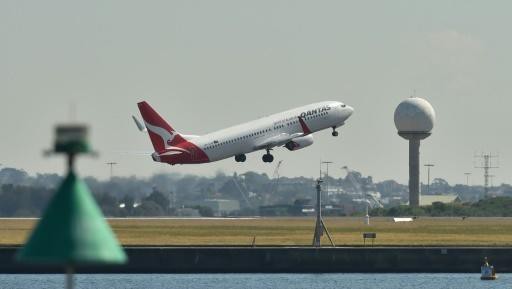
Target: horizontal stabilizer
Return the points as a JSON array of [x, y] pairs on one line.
[[139, 125], [134, 153]]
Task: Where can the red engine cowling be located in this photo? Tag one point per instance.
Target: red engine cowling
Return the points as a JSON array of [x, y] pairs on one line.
[[299, 143]]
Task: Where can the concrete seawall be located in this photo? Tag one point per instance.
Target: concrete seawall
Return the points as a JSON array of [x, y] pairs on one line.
[[289, 260]]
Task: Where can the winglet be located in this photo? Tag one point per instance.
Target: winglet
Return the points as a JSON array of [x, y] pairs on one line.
[[305, 128]]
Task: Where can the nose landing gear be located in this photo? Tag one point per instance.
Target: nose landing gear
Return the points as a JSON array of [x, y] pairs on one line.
[[334, 132]]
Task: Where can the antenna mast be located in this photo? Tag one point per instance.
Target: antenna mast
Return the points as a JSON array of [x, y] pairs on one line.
[[487, 163]]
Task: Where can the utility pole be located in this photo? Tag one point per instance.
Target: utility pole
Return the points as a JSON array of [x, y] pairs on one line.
[[487, 164], [428, 177], [111, 164], [467, 178]]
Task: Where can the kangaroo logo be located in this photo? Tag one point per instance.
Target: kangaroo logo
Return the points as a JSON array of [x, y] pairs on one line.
[[167, 137]]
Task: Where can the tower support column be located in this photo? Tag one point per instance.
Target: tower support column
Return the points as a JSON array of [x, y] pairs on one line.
[[414, 165], [414, 172]]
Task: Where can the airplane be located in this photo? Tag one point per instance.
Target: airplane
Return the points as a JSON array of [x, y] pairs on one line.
[[292, 129]]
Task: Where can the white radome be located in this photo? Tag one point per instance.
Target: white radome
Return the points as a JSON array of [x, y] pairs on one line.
[[415, 115]]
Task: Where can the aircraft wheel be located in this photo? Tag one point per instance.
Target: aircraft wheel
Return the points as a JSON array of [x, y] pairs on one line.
[[240, 158], [334, 133], [267, 158]]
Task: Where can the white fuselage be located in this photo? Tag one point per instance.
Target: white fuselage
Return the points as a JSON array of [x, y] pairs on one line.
[[248, 137]]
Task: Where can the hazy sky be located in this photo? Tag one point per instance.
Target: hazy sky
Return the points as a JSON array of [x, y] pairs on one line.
[[206, 65]]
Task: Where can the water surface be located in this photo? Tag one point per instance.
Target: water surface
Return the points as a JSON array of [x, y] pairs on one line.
[[257, 281]]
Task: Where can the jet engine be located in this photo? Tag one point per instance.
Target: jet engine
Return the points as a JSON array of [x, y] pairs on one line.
[[299, 143]]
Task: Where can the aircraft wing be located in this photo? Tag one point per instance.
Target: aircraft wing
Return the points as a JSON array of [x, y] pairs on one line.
[[282, 139], [278, 140]]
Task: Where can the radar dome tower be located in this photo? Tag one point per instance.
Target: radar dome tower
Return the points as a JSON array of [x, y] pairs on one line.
[[414, 120]]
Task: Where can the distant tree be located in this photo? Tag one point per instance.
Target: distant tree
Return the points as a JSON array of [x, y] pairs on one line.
[[302, 202], [496, 207], [438, 209], [149, 208], [399, 211], [23, 201], [391, 188], [46, 180], [205, 211], [160, 199], [255, 182], [440, 186], [13, 176], [108, 204], [230, 190], [128, 202]]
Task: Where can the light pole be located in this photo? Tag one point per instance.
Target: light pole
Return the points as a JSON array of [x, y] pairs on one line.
[[428, 177], [111, 164]]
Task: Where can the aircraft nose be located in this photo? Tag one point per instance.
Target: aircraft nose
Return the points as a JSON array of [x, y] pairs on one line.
[[349, 111]]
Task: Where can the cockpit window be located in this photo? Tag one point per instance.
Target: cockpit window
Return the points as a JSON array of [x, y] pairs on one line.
[[343, 105]]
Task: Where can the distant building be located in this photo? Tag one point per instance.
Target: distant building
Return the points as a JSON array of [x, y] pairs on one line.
[[187, 212], [393, 201], [427, 200], [299, 210], [221, 207], [277, 210]]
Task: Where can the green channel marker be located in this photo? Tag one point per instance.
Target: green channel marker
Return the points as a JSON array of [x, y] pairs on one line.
[[72, 231]]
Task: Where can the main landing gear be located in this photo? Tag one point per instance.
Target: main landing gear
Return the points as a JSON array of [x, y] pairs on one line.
[[240, 158], [334, 132], [268, 158]]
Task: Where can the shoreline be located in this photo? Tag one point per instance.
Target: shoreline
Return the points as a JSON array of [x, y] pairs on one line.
[[282, 259]]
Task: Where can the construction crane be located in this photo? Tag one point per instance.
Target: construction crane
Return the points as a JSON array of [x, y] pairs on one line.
[[357, 187], [374, 203], [275, 178], [242, 189], [274, 184]]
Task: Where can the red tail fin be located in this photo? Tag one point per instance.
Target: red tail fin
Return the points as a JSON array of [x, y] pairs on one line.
[[162, 135]]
